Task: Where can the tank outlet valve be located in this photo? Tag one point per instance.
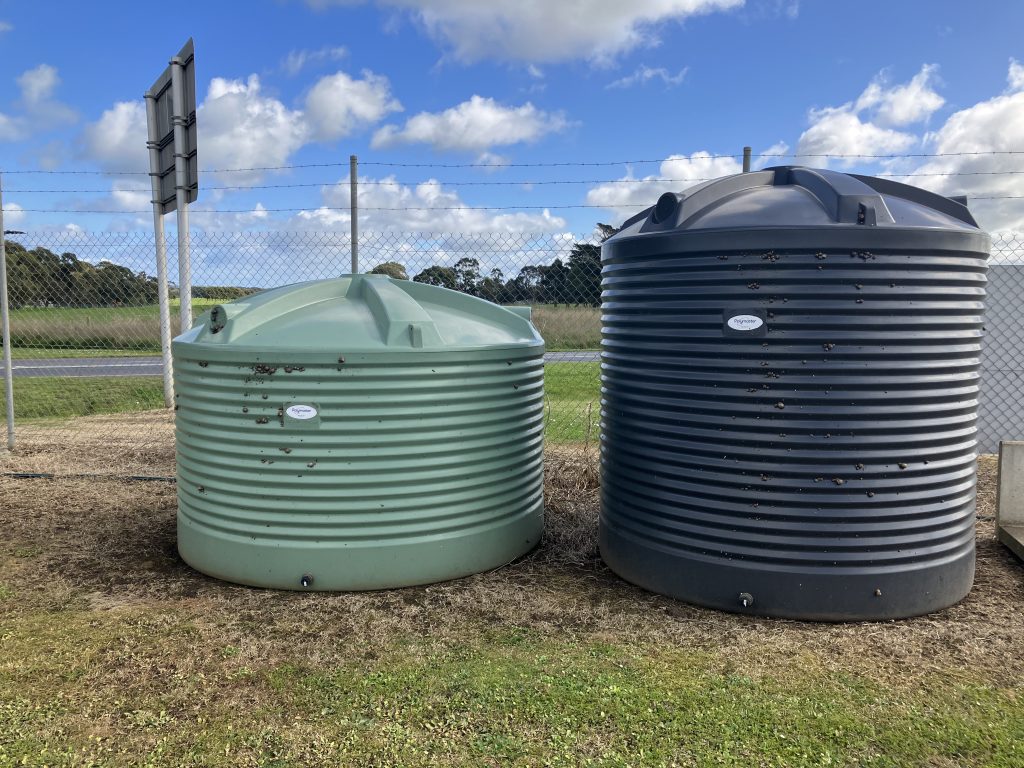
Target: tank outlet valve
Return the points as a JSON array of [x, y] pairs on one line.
[[306, 580], [746, 599]]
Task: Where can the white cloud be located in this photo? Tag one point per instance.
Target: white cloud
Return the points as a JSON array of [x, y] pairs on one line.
[[37, 85], [491, 162], [547, 30], [644, 74], [11, 128], [1015, 77], [39, 110], [426, 207], [994, 125], [117, 141], [904, 104], [840, 131], [339, 105], [869, 125], [5, 26], [14, 215], [474, 125], [240, 127], [630, 195], [37, 98], [296, 61], [776, 154], [131, 194]]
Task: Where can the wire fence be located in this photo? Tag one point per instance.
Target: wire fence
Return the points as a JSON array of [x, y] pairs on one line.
[[85, 324], [85, 328]]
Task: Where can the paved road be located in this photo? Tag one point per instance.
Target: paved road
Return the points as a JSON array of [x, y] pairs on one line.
[[150, 366]]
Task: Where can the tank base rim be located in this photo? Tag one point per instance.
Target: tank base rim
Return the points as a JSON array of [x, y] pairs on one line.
[[840, 597], [343, 568]]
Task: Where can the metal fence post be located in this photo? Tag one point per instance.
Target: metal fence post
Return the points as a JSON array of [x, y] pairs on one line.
[[5, 314], [161, 251], [353, 181], [180, 119]]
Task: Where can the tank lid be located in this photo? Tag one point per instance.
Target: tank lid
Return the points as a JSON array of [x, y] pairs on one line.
[[793, 196], [362, 313]]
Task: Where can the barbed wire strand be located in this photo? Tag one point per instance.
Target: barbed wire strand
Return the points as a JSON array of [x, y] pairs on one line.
[[314, 209], [563, 164], [525, 183]]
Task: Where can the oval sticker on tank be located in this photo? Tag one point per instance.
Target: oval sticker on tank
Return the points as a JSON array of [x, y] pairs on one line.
[[301, 412], [745, 322]]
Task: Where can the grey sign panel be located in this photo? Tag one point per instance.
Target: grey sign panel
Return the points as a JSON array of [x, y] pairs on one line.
[[162, 93]]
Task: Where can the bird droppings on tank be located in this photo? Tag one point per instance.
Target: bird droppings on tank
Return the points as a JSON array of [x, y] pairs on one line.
[[245, 409], [262, 420], [780, 405], [260, 368], [828, 346], [203, 363], [285, 450], [753, 286]]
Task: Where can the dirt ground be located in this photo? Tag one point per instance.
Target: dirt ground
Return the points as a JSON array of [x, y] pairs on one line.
[[107, 544]]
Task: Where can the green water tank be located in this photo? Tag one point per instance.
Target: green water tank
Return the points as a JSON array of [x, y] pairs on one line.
[[358, 433]]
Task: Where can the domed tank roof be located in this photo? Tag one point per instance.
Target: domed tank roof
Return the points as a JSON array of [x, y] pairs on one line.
[[364, 313], [789, 197]]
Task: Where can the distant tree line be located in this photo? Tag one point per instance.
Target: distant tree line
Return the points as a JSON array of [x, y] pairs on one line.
[[575, 281], [222, 292], [42, 278]]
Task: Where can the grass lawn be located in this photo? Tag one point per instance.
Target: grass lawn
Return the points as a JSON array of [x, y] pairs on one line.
[[47, 353], [116, 653], [54, 397], [571, 398], [145, 687]]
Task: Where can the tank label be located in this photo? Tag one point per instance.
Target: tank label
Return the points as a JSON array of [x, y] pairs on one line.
[[745, 322], [301, 412]]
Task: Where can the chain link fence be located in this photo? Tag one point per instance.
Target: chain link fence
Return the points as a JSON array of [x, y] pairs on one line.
[[85, 323], [85, 327]]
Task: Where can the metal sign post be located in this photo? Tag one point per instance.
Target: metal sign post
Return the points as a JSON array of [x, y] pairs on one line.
[[174, 174], [161, 251], [179, 117], [353, 181], [5, 328]]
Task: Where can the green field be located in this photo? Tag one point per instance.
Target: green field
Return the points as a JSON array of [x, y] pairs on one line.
[[571, 391], [83, 688], [92, 331], [136, 330]]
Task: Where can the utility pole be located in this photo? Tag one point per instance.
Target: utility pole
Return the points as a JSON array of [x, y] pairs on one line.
[[353, 181], [5, 328], [746, 159]]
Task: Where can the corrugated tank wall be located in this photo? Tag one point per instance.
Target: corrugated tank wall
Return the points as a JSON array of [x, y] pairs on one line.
[[418, 470], [819, 466]]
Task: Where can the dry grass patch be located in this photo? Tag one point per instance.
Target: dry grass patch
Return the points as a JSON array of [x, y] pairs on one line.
[[109, 544], [113, 643]]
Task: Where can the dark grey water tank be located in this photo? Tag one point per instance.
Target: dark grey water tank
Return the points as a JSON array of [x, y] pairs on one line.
[[789, 385]]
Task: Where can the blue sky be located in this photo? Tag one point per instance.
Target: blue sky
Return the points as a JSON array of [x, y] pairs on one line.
[[504, 82]]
